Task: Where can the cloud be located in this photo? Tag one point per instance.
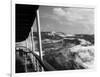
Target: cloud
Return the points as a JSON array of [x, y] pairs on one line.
[[59, 11], [75, 16]]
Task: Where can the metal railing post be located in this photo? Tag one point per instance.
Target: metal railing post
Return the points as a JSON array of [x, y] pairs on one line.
[[33, 47]]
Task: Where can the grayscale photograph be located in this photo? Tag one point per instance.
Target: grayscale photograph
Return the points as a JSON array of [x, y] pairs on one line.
[[53, 38]]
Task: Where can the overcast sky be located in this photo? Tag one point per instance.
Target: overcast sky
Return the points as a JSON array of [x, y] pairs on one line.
[[69, 20]]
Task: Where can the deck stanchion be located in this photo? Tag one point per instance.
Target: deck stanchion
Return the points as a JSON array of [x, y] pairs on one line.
[[33, 46]]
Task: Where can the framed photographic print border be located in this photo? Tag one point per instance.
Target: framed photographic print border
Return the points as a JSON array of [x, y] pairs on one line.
[[34, 2]]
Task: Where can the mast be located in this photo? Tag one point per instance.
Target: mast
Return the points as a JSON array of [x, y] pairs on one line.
[[39, 36]]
